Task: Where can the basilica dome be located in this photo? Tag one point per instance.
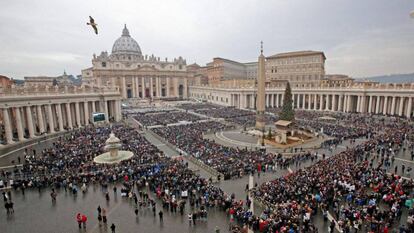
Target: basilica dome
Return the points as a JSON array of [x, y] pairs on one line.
[[126, 45]]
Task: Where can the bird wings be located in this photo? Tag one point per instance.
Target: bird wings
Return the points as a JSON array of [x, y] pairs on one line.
[[95, 29], [412, 14], [91, 20]]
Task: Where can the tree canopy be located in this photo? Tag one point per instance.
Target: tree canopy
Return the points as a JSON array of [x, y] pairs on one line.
[[287, 113]]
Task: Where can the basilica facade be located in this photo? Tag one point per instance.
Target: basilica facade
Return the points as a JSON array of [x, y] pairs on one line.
[[138, 75]]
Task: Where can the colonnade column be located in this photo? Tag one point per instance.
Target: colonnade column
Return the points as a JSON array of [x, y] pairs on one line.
[[40, 119], [86, 112], [77, 113], [304, 101], [157, 86], [50, 118], [19, 126], [385, 109], [30, 121], [348, 104], [340, 102], [69, 116], [377, 104], [392, 112], [7, 126], [370, 104], [315, 101], [409, 107], [401, 106], [60, 116]]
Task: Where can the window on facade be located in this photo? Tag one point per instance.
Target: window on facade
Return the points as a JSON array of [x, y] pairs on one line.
[[180, 67], [103, 64]]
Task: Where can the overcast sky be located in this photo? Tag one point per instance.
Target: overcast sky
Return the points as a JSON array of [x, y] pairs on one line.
[[359, 37]]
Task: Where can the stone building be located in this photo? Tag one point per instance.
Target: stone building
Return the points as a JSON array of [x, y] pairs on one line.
[[221, 69], [311, 89], [138, 75], [300, 66], [29, 112]]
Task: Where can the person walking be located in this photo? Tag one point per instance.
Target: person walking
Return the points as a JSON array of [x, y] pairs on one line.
[[104, 220], [113, 228], [79, 220], [161, 214], [84, 219]]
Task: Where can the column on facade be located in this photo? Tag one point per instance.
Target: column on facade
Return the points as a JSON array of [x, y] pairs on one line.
[[309, 101], [297, 100], [77, 113], [105, 103], [315, 102], [385, 109], [272, 100], [136, 87], [277, 101], [401, 106], [118, 114], [86, 112], [93, 106], [320, 102], [40, 119], [151, 88], [344, 102], [409, 107], [7, 126], [69, 115], [134, 94], [157, 86], [392, 112], [124, 88], [19, 124], [50, 118], [30, 121], [267, 100], [167, 87], [303, 101], [143, 87]]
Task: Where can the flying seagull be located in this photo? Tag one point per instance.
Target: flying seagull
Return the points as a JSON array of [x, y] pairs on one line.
[[412, 14], [93, 24]]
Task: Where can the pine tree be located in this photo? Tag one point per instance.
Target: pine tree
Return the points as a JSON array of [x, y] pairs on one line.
[[287, 113]]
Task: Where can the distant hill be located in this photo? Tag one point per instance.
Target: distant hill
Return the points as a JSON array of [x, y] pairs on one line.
[[393, 78]]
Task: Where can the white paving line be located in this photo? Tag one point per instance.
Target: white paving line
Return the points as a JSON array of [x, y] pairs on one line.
[[405, 160], [290, 170], [330, 218]]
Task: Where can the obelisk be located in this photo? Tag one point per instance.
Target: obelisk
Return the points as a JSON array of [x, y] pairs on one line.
[[261, 80]]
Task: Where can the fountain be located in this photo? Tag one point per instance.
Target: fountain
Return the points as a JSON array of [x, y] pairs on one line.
[[113, 154]]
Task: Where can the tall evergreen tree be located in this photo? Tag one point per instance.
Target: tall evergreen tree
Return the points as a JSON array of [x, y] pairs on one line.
[[287, 113]]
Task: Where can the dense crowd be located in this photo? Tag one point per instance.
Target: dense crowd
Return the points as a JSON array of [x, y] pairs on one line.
[[353, 184], [164, 118]]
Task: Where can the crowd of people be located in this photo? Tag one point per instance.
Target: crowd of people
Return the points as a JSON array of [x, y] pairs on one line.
[[354, 185], [164, 118]]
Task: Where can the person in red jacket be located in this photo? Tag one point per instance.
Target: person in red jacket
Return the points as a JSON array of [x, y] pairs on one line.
[[84, 219], [79, 220]]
